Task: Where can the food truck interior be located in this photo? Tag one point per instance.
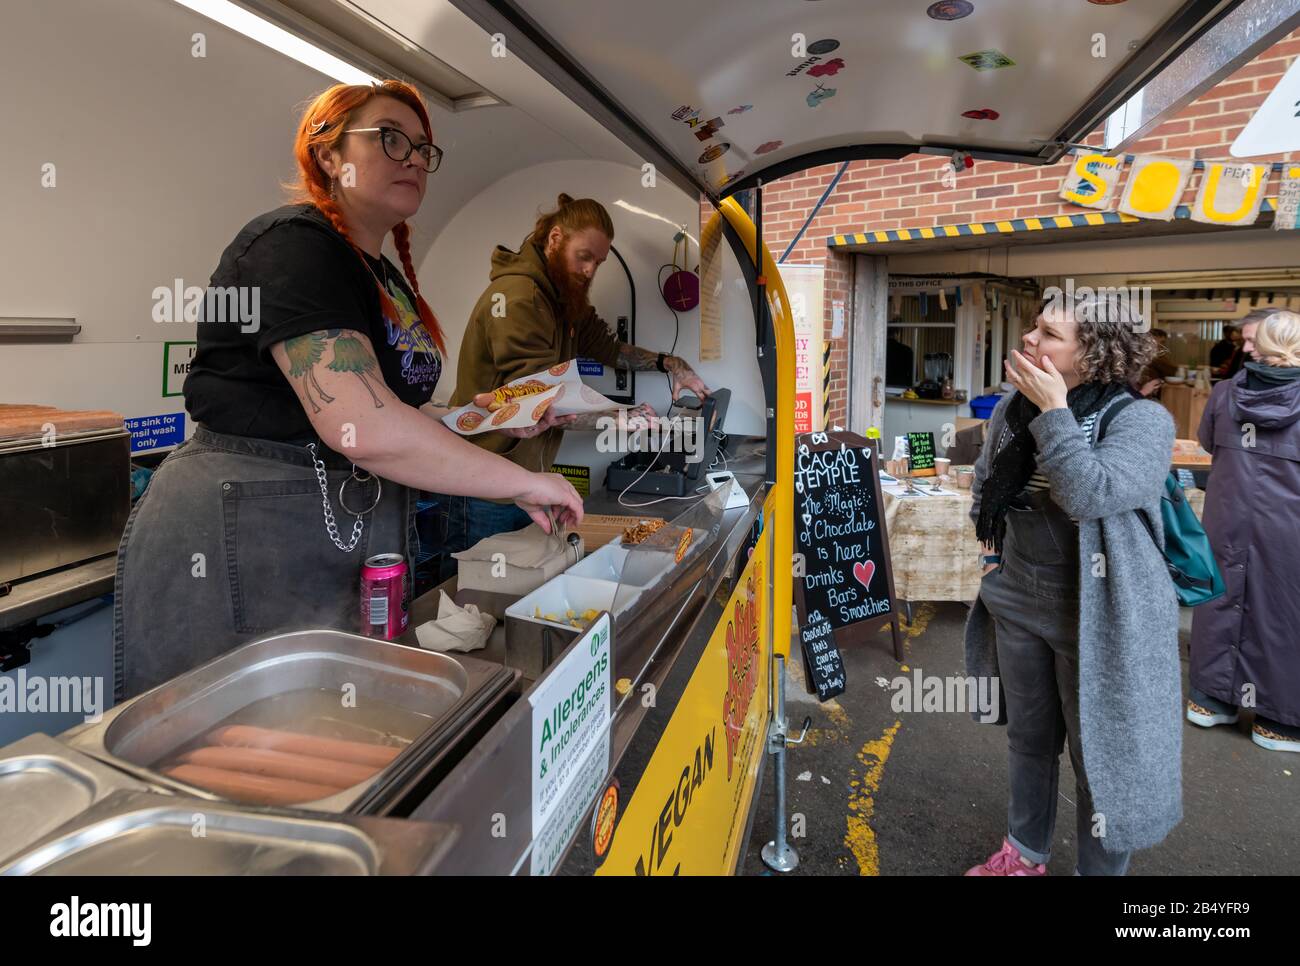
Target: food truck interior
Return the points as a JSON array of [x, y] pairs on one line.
[[169, 125]]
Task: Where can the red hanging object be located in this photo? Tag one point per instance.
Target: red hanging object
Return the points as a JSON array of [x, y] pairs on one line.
[[681, 288]]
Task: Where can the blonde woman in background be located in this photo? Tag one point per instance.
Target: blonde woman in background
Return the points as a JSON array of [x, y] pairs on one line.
[[1245, 646]]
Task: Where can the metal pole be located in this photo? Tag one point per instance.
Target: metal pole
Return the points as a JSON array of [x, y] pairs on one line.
[[779, 854]]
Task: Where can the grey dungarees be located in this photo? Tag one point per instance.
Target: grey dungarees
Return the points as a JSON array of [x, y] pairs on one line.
[[1034, 600], [229, 544]]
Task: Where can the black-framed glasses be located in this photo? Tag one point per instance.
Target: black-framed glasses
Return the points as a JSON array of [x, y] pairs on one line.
[[399, 147]]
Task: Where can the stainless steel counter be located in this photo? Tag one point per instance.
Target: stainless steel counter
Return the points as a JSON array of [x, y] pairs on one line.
[[38, 596], [488, 796]]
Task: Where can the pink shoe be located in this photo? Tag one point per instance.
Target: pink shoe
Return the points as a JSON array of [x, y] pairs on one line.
[[1006, 861]]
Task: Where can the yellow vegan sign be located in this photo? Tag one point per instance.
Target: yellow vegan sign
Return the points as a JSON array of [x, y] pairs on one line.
[[689, 811]]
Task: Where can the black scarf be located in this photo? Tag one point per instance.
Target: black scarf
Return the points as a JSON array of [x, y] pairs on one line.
[[1016, 462], [1262, 376]]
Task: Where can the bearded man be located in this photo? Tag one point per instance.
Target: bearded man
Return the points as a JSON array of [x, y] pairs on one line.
[[535, 314]]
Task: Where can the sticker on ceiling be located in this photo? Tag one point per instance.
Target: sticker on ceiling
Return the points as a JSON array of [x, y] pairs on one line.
[[714, 152], [950, 10], [983, 114], [709, 129], [822, 47], [828, 69], [819, 95], [987, 60], [726, 180], [685, 113], [741, 109], [767, 146]]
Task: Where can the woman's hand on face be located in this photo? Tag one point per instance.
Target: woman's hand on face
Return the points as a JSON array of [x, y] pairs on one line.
[[550, 491], [1045, 387]]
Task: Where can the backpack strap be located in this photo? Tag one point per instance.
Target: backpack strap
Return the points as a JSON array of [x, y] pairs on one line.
[[1104, 421], [1111, 411]]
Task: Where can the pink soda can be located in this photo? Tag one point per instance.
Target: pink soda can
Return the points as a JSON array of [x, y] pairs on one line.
[[383, 596]]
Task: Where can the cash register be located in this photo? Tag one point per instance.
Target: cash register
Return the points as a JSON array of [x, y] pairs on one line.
[[669, 468]]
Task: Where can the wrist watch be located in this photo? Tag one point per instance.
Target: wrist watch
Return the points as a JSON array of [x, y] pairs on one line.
[[659, 363]]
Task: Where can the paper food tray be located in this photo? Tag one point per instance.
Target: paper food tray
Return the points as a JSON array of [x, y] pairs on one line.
[[566, 394]]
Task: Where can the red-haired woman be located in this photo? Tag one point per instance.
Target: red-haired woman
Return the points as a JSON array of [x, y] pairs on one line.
[[310, 392]]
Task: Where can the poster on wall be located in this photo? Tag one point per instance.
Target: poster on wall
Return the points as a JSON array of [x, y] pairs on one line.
[[803, 285], [711, 289]]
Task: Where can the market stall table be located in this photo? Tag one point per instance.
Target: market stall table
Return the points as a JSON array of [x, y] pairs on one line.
[[934, 553]]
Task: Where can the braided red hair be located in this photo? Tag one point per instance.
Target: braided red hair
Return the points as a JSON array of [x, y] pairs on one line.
[[322, 125]]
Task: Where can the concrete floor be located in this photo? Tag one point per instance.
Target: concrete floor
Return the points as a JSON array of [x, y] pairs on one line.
[[885, 793]]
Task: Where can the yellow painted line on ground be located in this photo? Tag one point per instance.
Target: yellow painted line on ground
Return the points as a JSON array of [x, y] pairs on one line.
[[860, 838], [921, 615]]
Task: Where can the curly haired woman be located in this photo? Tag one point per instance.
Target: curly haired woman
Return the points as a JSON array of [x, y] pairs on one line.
[[1077, 615]]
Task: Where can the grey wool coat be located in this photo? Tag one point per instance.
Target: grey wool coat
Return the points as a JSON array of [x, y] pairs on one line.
[[1130, 682]]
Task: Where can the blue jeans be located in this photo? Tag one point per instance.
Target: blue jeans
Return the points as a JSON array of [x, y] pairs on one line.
[[462, 521]]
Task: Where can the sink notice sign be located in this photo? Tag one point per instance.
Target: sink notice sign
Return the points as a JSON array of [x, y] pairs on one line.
[[571, 711], [844, 589], [921, 448], [156, 432]]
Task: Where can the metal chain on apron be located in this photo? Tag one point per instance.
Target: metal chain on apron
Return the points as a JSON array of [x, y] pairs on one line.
[[331, 527]]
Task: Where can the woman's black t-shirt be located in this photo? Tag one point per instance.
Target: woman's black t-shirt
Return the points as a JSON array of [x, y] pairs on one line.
[[291, 273]]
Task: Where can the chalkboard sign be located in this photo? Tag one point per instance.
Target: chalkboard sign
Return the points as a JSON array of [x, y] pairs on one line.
[[843, 585], [921, 448]]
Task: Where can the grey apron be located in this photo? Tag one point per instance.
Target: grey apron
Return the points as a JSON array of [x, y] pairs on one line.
[[229, 544]]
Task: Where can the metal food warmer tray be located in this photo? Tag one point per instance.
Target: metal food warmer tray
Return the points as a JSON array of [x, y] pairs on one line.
[[309, 686]]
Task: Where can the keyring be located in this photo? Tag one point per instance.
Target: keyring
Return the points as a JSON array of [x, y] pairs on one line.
[[379, 491]]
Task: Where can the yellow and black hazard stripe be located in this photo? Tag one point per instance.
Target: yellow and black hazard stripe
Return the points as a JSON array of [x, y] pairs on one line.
[[1048, 222], [826, 386]]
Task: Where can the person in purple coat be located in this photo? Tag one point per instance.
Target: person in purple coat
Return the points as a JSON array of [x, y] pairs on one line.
[[1245, 650]]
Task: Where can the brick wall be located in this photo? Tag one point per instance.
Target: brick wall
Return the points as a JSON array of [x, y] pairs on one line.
[[879, 195]]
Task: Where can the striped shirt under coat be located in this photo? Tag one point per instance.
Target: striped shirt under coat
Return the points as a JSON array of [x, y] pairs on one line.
[[1130, 679]]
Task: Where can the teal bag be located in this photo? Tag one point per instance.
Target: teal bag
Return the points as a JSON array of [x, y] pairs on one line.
[[1187, 550]]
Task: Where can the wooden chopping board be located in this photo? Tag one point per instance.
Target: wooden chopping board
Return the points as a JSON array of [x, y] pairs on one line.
[[19, 421], [598, 529]]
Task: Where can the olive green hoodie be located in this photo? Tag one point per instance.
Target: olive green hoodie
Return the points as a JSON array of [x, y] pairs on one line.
[[522, 336]]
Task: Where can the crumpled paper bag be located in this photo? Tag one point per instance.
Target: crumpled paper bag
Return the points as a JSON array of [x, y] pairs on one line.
[[531, 558], [456, 628]]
